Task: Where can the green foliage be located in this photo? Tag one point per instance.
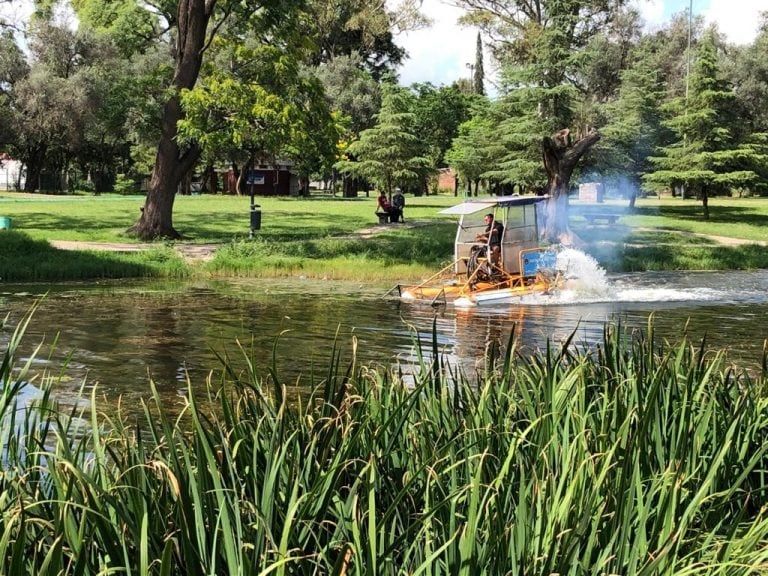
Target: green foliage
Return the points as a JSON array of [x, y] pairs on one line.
[[351, 90], [127, 24], [637, 457], [438, 112], [634, 120], [478, 72], [707, 155], [262, 106], [748, 70], [125, 185], [390, 153], [475, 149], [25, 260], [361, 29]]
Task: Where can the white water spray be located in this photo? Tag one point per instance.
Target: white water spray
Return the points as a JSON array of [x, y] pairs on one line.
[[585, 280]]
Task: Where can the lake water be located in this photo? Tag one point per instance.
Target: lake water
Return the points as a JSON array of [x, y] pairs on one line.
[[117, 335]]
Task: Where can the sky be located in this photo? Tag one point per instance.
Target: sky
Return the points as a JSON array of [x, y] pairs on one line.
[[440, 54]]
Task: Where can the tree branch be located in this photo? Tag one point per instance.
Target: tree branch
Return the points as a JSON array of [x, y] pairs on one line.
[[574, 153]]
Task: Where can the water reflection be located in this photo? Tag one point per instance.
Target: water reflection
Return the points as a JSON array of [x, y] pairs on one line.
[[116, 336]]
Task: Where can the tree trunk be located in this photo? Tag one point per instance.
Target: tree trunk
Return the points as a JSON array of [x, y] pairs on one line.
[[350, 190], [705, 202], [33, 161], [560, 158], [210, 181], [171, 162]]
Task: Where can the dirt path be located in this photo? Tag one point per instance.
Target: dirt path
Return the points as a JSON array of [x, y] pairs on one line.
[[191, 252]]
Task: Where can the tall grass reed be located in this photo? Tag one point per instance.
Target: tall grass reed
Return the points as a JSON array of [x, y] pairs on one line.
[[633, 457]]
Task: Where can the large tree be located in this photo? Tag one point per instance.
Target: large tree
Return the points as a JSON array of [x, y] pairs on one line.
[[66, 107], [748, 71], [475, 151], [438, 113], [193, 26], [634, 123], [13, 69], [709, 155], [478, 77], [361, 28], [264, 106], [541, 44]]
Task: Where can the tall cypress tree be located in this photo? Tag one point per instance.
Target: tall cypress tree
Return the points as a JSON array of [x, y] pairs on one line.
[[479, 79]]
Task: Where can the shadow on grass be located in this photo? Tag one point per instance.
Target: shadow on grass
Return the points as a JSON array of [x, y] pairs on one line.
[[277, 226], [25, 260], [57, 221], [717, 214]]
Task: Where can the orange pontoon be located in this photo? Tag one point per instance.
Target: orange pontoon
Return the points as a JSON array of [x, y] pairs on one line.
[[478, 275]]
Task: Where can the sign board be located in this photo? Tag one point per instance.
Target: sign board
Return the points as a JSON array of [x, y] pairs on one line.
[[591, 192], [254, 177]]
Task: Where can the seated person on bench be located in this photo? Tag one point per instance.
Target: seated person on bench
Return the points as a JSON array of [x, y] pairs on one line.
[[494, 231], [384, 206]]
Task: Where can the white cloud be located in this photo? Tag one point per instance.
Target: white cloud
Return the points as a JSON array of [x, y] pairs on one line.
[[738, 20], [652, 11], [440, 53]]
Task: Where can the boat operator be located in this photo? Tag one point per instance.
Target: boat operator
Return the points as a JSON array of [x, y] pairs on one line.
[[494, 231]]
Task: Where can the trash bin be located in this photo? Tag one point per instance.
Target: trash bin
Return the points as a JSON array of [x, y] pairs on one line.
[[5, 223], [255, 217]]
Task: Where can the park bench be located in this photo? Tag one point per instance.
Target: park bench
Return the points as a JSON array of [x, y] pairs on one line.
[[387, 218], [607, 218]]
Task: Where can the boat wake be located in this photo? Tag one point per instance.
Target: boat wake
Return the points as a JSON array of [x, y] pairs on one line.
[[586, 282]]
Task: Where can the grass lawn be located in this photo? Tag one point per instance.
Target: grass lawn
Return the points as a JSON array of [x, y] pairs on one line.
[[317, 237]]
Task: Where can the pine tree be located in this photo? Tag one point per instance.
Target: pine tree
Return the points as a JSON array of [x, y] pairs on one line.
[[706, 156], [390, 153], [634, 122]]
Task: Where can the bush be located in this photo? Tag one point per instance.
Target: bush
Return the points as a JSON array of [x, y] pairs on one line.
[[126, 185]]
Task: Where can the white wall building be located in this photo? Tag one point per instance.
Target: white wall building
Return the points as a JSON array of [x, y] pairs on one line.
[[11, 173]]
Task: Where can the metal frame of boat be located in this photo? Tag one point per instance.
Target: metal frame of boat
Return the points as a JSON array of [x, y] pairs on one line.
[[523, 268]]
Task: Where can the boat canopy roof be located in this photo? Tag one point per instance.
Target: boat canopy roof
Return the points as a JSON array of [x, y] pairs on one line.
[[478, 204]]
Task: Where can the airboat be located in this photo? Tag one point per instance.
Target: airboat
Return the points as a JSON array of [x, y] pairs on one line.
[[479, 275]]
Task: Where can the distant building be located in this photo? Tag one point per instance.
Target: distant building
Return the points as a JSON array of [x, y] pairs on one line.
[[12, 175], [264, 180], [272, 180], [446, 180]]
